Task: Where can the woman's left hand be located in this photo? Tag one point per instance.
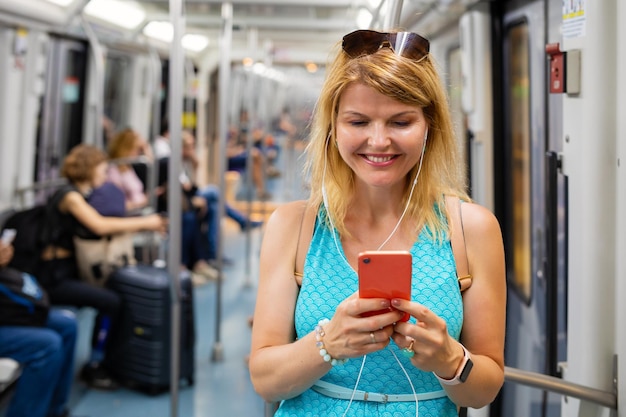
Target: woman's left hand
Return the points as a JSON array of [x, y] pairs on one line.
[[435, 350], [6, 254]]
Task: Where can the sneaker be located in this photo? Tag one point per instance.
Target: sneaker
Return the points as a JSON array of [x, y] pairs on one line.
[[198, 280], [96, 376], [206, 270]]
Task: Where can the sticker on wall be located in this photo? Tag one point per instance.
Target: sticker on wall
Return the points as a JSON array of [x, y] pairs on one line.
[[71, 90], [574, 19]]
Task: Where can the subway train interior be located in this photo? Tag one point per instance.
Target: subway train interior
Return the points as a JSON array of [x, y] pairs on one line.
[[536, 98]]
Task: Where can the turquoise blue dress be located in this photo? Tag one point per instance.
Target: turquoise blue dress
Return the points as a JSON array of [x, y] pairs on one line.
[[329, 279]]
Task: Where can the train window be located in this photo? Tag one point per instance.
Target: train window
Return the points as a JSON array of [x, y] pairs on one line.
[[117, 89], [60, 124], [519, 140]]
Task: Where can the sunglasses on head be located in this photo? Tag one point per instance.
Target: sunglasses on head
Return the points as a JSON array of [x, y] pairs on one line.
[[367, 42]]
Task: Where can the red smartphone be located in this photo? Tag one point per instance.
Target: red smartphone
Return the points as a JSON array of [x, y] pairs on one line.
[[385, 274]]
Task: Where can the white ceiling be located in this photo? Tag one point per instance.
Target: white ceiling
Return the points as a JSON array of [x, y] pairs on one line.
[[283, 31]]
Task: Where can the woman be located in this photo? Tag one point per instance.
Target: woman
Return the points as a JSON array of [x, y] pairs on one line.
[[382, 159], [128, 144], [85, 167]]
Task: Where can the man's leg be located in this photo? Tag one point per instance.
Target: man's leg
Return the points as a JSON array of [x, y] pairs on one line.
[[39, 351], [211, 195], [64, 323]]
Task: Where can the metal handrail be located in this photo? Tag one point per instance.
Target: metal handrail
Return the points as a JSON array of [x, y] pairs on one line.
[[558, 385], [52, 184]]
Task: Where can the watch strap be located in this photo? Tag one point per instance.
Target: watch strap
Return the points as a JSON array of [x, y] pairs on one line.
[[462, 372]]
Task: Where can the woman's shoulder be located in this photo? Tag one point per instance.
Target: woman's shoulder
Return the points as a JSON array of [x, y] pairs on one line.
[[66, 199], [478, 220], [289, 213], [63, 192]]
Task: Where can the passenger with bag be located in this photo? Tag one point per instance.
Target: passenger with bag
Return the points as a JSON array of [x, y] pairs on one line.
[[70, 215], [40, 339]]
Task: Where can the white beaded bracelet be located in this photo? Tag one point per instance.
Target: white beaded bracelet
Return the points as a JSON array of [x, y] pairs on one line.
[[319, 337]]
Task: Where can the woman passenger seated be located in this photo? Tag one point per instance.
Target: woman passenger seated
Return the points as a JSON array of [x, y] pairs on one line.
[[128, 144], [85, 167]]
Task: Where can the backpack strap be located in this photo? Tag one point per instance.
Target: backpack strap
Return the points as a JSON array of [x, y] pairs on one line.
[[457, 241], [305, 233]]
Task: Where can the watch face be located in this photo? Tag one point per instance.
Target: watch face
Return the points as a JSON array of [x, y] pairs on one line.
[[466, 370]]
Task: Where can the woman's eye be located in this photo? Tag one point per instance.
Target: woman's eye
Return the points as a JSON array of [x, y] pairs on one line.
[[401, 123], [358, 123]]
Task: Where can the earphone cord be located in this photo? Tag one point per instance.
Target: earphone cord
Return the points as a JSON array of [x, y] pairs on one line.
[[408, 378], [406, 374], [406, 207], [355, 386], [408, 201]]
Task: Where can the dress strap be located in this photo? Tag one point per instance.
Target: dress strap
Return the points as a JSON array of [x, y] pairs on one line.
[[343, 393], [457, 241]]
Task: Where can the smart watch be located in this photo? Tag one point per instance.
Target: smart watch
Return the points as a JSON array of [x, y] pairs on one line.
[[463, 371]]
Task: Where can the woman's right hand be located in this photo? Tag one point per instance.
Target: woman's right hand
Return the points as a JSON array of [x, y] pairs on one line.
[[350, 335], [157, 222]]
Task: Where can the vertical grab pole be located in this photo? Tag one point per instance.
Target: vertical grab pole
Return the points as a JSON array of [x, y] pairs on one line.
[[224, 81], [98, 106], [174, 198], [157, 74], [392, 18]]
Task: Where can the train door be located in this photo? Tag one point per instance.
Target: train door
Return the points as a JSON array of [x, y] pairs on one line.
[[521, 199], [475, 59], [61, 118]]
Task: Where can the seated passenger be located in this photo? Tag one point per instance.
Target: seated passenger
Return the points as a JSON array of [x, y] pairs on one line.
[[46, 357], [200, 211], [85, 168], [237, 154], [128, 144]]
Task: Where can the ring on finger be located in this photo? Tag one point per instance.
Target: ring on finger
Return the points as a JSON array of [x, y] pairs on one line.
[[408, 351], [372, 337]]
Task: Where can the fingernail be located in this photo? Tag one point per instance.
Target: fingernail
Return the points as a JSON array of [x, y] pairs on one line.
[[385, 303], [395, 302]]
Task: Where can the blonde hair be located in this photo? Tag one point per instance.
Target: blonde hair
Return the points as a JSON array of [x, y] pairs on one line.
[[409, 82]]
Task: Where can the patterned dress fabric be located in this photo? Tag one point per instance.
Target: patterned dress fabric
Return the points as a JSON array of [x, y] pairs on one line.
[[329, 279]]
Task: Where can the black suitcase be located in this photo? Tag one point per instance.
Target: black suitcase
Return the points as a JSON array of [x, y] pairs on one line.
[[140, 349]]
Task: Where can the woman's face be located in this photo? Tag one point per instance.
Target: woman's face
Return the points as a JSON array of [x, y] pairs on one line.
[[99, 174], [379, 138]]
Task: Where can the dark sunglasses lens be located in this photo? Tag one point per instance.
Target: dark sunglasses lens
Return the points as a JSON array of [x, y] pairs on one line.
[[410, 45], [367, 42], [362, 42]]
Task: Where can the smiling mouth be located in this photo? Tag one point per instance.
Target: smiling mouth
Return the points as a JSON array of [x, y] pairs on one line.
[[379, 159]]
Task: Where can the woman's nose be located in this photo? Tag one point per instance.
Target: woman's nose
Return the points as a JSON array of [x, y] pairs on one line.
[[378, 136]]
